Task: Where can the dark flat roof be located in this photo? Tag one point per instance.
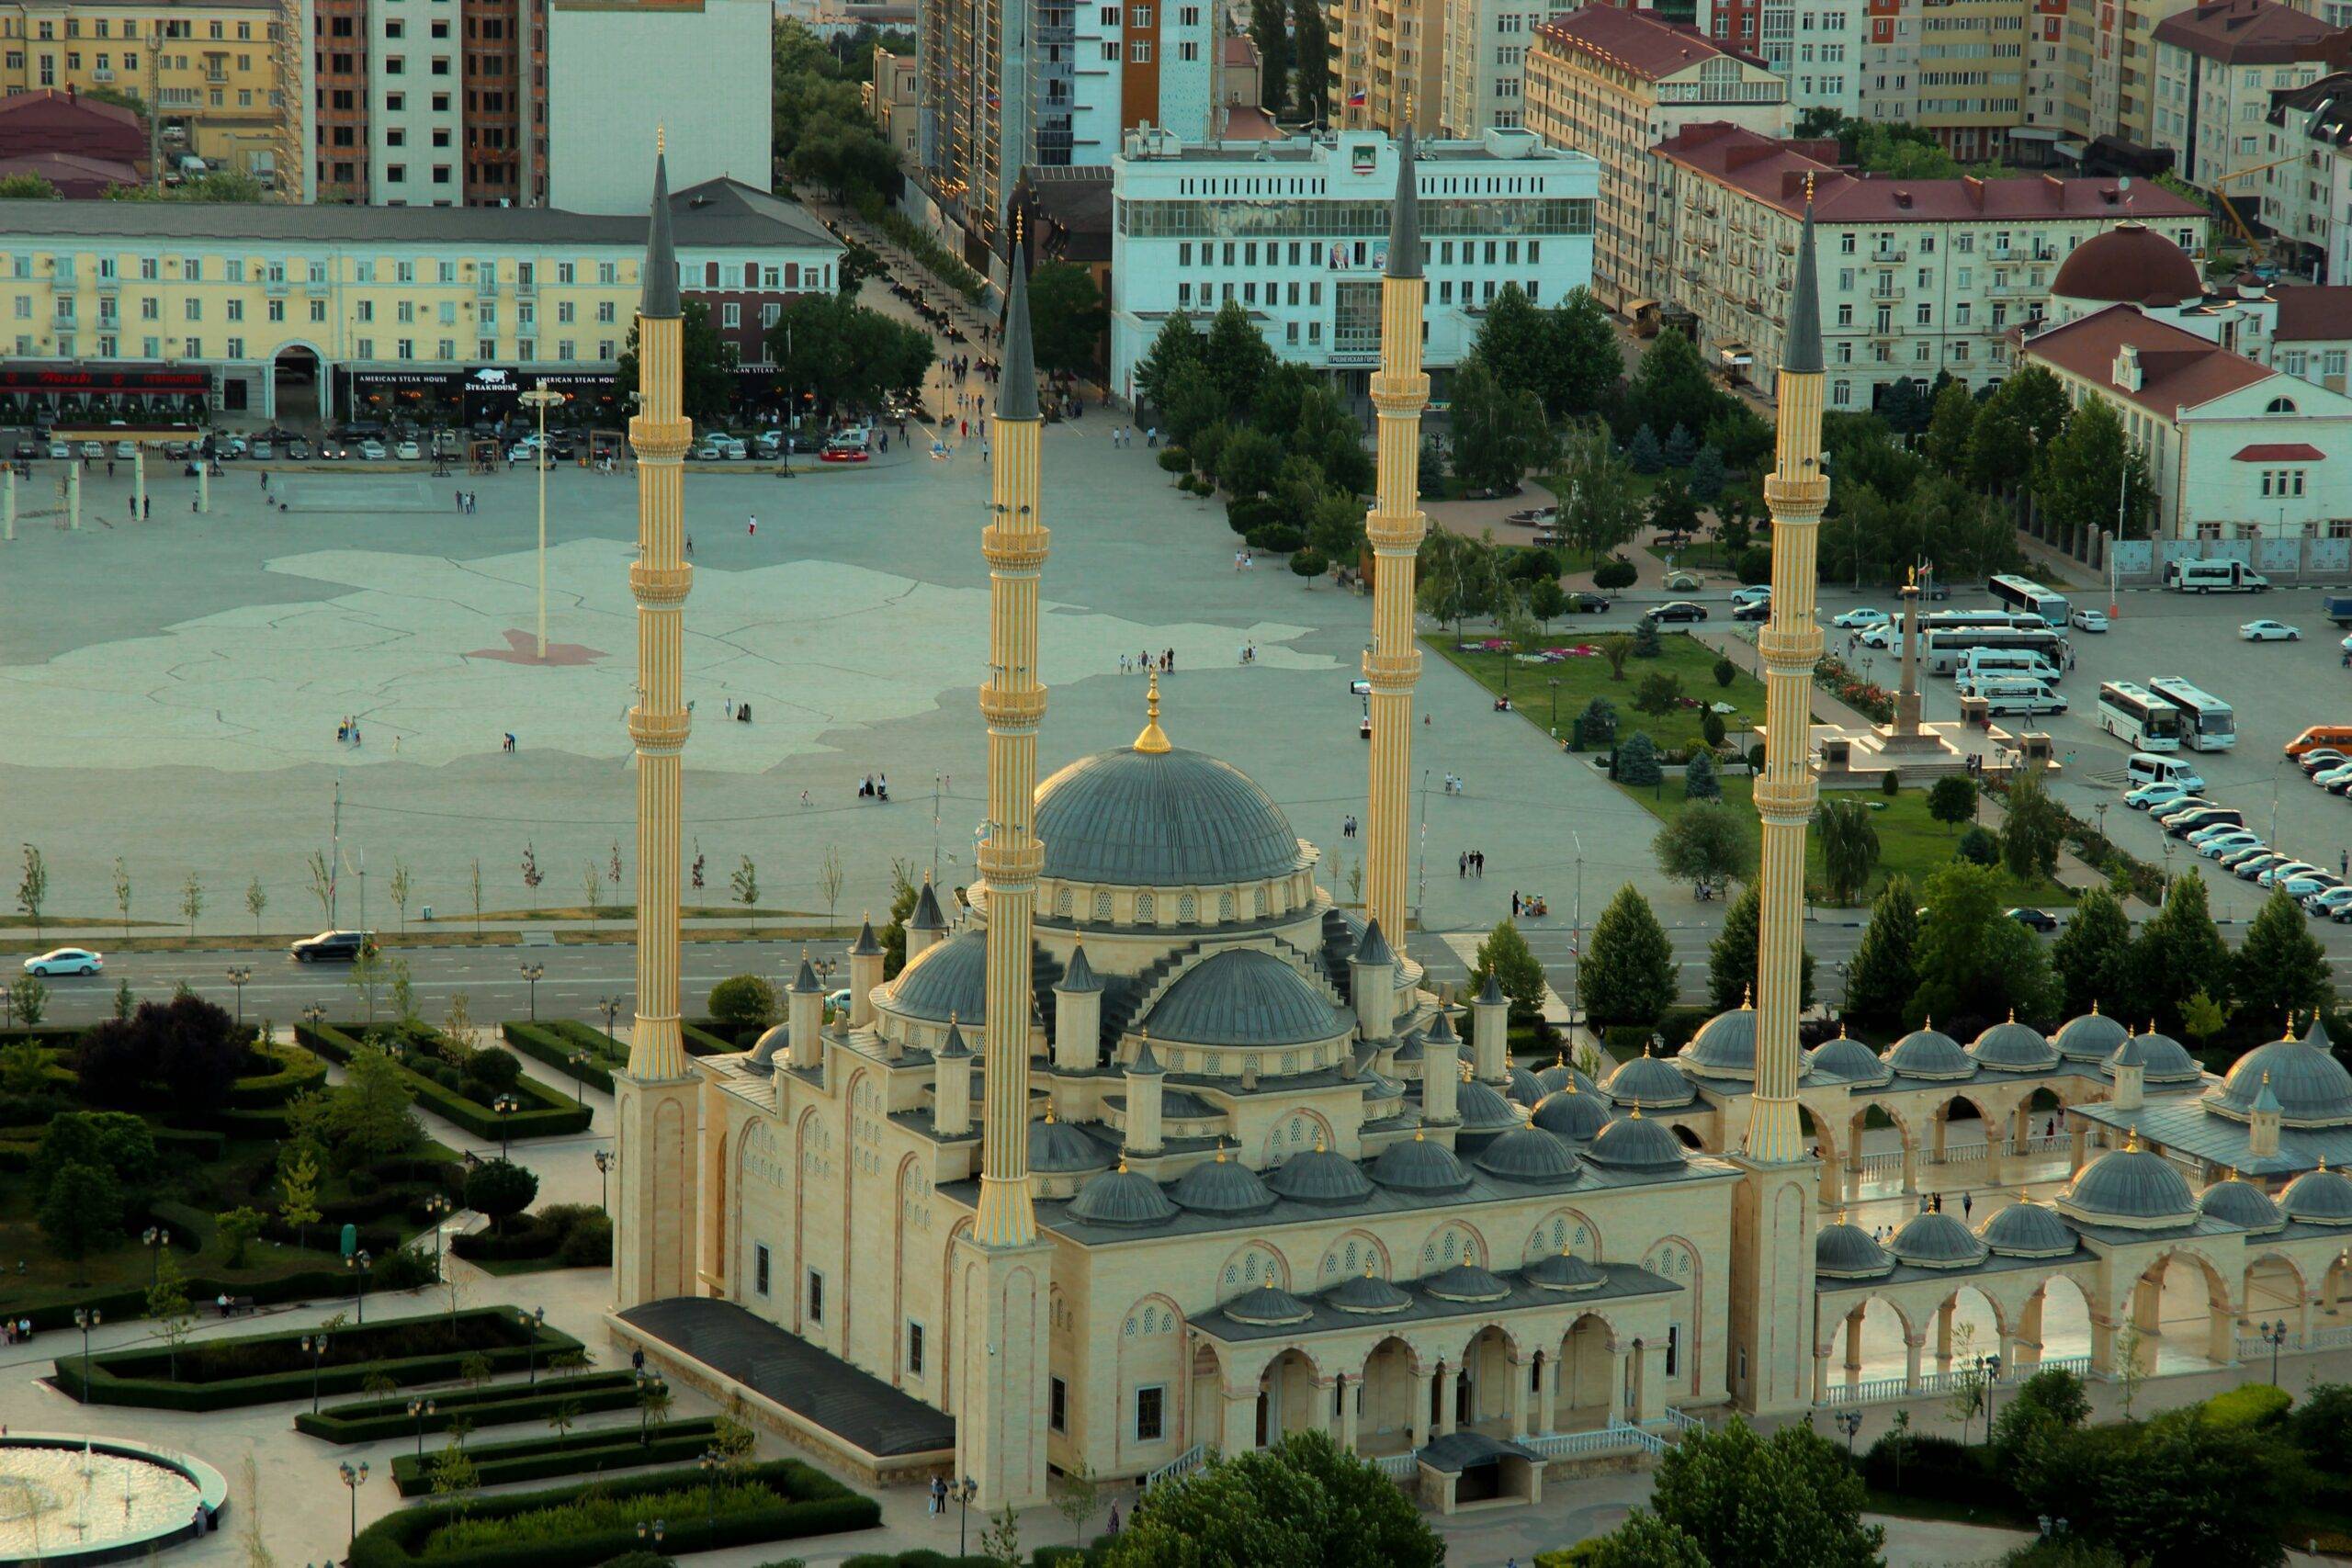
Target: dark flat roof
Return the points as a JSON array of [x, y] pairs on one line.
[[1622, 1281]]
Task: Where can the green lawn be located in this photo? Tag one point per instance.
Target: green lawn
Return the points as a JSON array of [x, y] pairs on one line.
[[1582, 680]]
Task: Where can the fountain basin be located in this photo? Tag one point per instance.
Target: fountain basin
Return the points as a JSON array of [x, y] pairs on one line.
[[69, 1499]]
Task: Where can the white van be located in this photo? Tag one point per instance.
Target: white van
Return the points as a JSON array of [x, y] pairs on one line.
[[2148, 767], [1980, 664], [2019, 695], [2214, 577]]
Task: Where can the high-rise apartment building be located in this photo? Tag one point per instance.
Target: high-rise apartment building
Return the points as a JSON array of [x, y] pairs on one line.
[[1388, 63], [1484, 63], [1613, 84], [2220, 67], [1953, 67]]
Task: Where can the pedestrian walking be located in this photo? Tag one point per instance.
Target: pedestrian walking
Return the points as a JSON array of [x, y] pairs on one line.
[[752, 524], [1967, 1205], [1461, 864]]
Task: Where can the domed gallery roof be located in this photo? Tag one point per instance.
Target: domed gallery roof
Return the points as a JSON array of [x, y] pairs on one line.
[[2090, 1038], [1367, 1295], [1846, 1251], [2013, 1048], [1123, 1197], [1483, 1110], [1930, 1054], [1573, 1113], [1724, 1046], [1057, 1149], [1557, 1077], [2027, 1230], [1529, 1154], [2241, 1204], [1418, 1165], [2321, 1197], [1244, 996], [1267, 1307], [2130, 1185], [2311, 1087], [1466, 1282], [1848, 1060], [1319, 1176], [1521, 1089], [1563, 1272], [1629, 1143], [1935, 1240], [2159, 1057], [2128, 264], [1153, 815], [1221, 1187], [948, 979], [1651, 1082]]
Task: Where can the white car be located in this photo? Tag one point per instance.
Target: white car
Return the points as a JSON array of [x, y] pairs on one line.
[[65, 449], [2270, 876], [94, 449], [2334, 780], [1862, 619], [372, 450], [2214, 848], [65, 961], [408, 451], [126, 449], [1751, 593], [2269, 631], [2150, 797], [2220, 831], [2088, 620], [2328, 901]]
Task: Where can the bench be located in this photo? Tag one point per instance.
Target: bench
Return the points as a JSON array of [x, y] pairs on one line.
[[231, 1305]]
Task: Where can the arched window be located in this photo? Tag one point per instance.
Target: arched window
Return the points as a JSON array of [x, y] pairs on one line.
[[1102, 904], [1225, 905], [2280, 405], [1143, 910], [1186, 912]]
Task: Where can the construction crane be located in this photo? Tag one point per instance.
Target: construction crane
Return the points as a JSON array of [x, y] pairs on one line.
[[2255, 247]]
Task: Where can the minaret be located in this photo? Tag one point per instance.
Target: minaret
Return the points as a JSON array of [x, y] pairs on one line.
[[1004, 1267], [1393, 528], [656, 1119]]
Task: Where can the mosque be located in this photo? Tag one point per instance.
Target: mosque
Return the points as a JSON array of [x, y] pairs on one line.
[[1156, 1151]]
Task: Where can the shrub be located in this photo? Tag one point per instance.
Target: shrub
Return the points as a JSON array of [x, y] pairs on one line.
[[1647, 643], [1725, 672], [574, 1453], [1599, 722], [2252, 1405], [500, 1189], [746, 1002], [1711, 729], [494, 1069], [186, 1052], [1979, 847], [1308, 562], [1890, 784], [1614, 572], [493, 1405], [1755, 565], [1637, 761], [1175, 460], [1919, 1465], [404, 1268]]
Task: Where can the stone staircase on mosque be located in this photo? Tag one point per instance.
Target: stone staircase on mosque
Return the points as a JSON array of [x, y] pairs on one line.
[[1342, 935], [1317, 969], [1121, 1007], [1044, 974]]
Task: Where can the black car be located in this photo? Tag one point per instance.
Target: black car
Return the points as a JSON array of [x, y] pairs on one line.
[[333, 947], [1584, 604], [1676, 610], [1752, 610], [2035, 920]]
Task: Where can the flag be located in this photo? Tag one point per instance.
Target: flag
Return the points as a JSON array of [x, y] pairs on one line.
[[1356, 100], [995, 102]]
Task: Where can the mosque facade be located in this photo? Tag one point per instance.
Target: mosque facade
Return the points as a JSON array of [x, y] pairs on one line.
[[1155, 1150]]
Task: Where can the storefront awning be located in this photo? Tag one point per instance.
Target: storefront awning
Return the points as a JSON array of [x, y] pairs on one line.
[[1737, 353], [1635, 307]]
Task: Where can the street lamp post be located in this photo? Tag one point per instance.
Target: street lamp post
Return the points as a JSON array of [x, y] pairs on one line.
[[86, 1319], [577, 1061], [963, 1491], [533, 1321], [157, 1238], [541, 399], [653, 1531], [534, 973], [434, 1207], [611, 1008], [709, 1465], [359, 1264], [1555, 684], [237, 975], [354, 1478], [2273, 1335], [504, 1106], [418, 1410], [315, 1346], [604, 1180], [1849, 1422], [1990, 1367]]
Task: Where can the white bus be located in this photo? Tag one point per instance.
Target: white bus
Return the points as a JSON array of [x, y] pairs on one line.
[[1947, 648], [1944, 620], [1994, 663], [2139, 718], [2024, 594], [2207, 723], [2214, 577]]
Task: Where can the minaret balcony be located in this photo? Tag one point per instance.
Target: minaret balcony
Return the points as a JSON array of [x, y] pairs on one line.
[[661, 587], [1786, 646]]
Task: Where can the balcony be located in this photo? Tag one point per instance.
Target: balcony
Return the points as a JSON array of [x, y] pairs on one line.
[[1889, 257]]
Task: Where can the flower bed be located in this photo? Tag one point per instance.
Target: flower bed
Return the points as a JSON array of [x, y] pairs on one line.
[[1866, 697], [260, 1368], [493, 1404], [546, 1112], [574, 1453], [574, 1526]]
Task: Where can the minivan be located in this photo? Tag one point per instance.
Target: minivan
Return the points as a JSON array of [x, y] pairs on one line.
[[2015, 694], [2336, 735], [2149, 767]]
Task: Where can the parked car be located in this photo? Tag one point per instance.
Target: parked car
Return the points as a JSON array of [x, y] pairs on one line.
[[2206, 837], [2180, 807], [298, 450], [2231, 860], [408, 451], [2304, 884], [1754, 590], [2319, 758], [2035, 920], [65, 961], [2328, 901], [329, 947], [1676, 610], [2268, 631], [2088, 620], [2229, 844], [1862, 619], [126, 449], [2269, 875], [61, 449], [372, 450], [2248, 869], [1580, 602], [2334, 780], [1533, 514], [262, 450], [94, 449]]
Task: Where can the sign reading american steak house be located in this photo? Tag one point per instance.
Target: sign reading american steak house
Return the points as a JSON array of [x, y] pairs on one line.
[[34, 379]]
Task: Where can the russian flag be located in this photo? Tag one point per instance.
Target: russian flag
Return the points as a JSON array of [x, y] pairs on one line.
[[1356, 100]]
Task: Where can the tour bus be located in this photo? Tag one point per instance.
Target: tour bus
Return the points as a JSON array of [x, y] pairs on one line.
[[2019, 695], [1979, 663], [1946, 648], [2024, 594], [1944, 620], [2214, 577], [2138, 717], [2207, 723]]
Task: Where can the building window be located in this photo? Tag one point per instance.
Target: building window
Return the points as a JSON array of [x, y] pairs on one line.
[[816, 1297], [1151, 1413], [914, 1348], [1057, 1405], [729, 314], [1139, 52], [759, 1269]]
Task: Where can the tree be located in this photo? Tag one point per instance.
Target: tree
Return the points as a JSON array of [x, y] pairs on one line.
[[1659, 693], [1516, 344], [1304, 1500], [742, 1003], [29, 998], [1506, 955], [1732, 956], [1707, 842], [256, 900], [1699, 781], [168, 1304], [859, 262], [2082, 472], [1600, 508], [1077, 1499], [192, 900], [1952, 800], [26, 187], [321, 884], [1547, 601], [1682, 447], [186, 1052], [1849, 849], [2092, 956], [1246, 467], [112, 1141], [1974, 961], [1643, 1541], [1952, 417], [1627, 974], [746, 883], [454, 1477], [297, 1193], [1637, 761], [366, 978], [2034, 828], [1644, 452], [1067, 317], [705, 367], [500, 1190], [1671, 387], [2282, 970], [1791, 1502], [2024, 413], [1235, 356], [1499, 435], [1177, 345], [2202, 1018], [2186, 1488], [367, 1118], [1311, 32], [1270, 30], [403, 885], [1588, 361], [1707, 477], [81, 1211], [2177, 954], [846, 352], [32, 887], [1672, 511], [1001, 1540], [122, 894]]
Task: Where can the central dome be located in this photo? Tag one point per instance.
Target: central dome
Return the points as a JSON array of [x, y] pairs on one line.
[[2128, 264], [1245, 997], [1140, 818]]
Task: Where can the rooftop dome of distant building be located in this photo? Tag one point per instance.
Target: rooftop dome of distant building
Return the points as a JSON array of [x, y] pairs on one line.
[[1319, 1176], [1368, 1295], [2013, 1048], [2321, 1197], [1651, 1082], [1573, 1113], [2130, 264], [1528, 1154], [1846, 1251], [1523, 1087], [1929, 1053], [1563, 1272], [1267, 1307], [1419, 1164], [1848, 1060], [2027, 1230], [2160, 1058], [1245, 995], [2242, 1203], [1557, 1077], [1466, 1282], [1935, 1240], [1483, 1108], [1123, 1197], [948, 979], [2093, 1037], [1152, 815], [2310, 1085], [2130, 1185], [1221, 1187], [1057, 1149], [1629, 1143], [1724, 1046]]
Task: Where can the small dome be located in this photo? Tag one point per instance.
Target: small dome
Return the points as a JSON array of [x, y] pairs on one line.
[[2130, 1185], [2313, 1089], [2014, 1048], [2240, 1203], [1160, 819], [1267, 1307], [2090, 1038], [948, 979], [1245, 995], [771, 1044], [1418, 1165], [1123, 1197], [1629, 1143], [1724, 1046], [2130, 264], [1563, 1272], [1529, 1154], [2321, 1197], [1651, 1082], [1573, 1113], [2027, 1230], [1483, 1110], [1466, 1282], [1937, 1241], [1557, 1077], [1057, 1149], [1367, 1295], [1843, 1251], [1929, 1053], [1523, 1087], [2159, 1057], [1411, 1046], [1319, 1176], [1221, 1187], [1848, 1060]]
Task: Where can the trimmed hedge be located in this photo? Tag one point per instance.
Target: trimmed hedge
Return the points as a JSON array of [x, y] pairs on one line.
[[578, 1234], [143, 1376], [123, 1305], [493, 1404], [547, 1043], [294, 1073], [575, 1453], [545, 1113], [807, 1503]]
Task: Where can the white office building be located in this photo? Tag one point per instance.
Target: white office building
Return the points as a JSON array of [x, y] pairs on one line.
[[1296, 233]]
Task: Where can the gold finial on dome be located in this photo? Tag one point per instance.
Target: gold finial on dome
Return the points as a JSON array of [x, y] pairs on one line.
[[2094, 1006], [1747, 998], [1417, 1135], [2013, 1015], [1123, 1164], [1318, 1142], [1637, 1112], [1153, 740], [1220, 1154], [1367, 1267], [1841, 1029], [2131, 1140], [1049, 1115]]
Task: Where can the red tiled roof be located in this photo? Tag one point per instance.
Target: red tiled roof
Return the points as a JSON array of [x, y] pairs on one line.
[[1240, 49], [1776, 172], [2278, 452], [2246, 33], [1637, 41], [77, 178], [2313, 314], [2177, 369], [1244, 123]]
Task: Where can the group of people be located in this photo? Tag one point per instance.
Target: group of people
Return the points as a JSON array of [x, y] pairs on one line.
[[347, 732], [1124, 436], [1534, 905], [15, 1330], [1472, 863], [874, 787], [1249, 654], [1245, 560], [465, 502]]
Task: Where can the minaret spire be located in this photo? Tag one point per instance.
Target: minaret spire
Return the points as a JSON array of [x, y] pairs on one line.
[[655, 1115], [1789, 646], [1393, 528]]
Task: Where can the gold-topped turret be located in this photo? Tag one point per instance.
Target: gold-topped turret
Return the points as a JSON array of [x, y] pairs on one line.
[[1153, 740]]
